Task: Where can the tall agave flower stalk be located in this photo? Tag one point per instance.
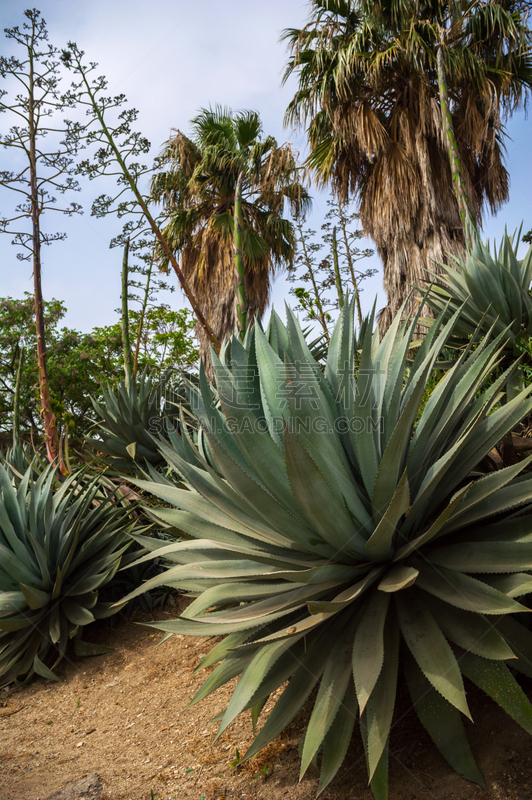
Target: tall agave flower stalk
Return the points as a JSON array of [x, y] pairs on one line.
[[240, 273], [128, 360], [468, 221], [341, 537]]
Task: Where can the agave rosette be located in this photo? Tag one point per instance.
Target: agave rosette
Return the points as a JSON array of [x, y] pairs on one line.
[[128, 417], [58, 547], [491, 288], [340, 536]]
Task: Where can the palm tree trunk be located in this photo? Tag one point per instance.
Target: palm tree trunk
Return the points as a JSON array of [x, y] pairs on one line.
[[337, 276], [128, 364], [240, 276], [468, 221], [50, 429]]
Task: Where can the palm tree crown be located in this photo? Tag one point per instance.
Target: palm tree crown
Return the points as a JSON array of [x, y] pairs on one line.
[[198, 194], [368, 92]]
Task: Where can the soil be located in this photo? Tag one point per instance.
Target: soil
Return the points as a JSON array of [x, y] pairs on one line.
[[124, 716]]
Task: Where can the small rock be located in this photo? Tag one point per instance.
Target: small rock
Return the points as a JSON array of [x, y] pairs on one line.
[[88, 788]]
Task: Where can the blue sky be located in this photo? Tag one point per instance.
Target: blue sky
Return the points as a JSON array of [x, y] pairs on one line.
[[171, 57]]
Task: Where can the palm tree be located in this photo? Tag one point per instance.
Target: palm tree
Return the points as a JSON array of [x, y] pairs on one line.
[[368, 93], [228, 160]]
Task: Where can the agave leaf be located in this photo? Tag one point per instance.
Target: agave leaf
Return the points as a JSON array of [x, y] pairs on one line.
[[510, 496], [519, 639], [442, 722], [392, 462], [202, 507], [315, 498], [265, 505], [283, 671], [233, 665], [77, 614], [346, 597], [496, 680], [484, 557], [368, 647], [378, 546], [377, 716], [253, 675], [13, 623], [42, 670], [225, 593], [336, 678], [464, 592], [429, 647], [437, 528], [256, 712], [35, 598], [399, 577], [17, 568], [338, 738], [271, 372], [220, 650], [84, 649], [515, 585], [296, 693], [473, 505], [11, 602], [473, 632]]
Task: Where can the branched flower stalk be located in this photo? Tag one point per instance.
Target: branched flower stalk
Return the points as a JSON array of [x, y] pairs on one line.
[[48, 169], [115, 156]]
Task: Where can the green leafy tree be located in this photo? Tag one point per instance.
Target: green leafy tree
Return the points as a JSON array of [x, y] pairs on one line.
[[368, 92], [167, 340], [198, 193], [80, 364]]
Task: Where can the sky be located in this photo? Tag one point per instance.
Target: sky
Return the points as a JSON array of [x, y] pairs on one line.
[[170, 58]]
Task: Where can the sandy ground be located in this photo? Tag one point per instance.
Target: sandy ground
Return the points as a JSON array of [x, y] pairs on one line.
[[124, 716]]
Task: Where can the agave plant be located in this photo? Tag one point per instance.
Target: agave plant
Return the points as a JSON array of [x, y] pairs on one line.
[[57, 548], [19, 457], [492, 289], [341, 537], [129, 416]]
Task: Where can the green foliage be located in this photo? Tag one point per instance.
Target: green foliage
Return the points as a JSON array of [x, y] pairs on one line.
[[80, 364], [77, 364], [58, 545], [166, 339], [338, 544]]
